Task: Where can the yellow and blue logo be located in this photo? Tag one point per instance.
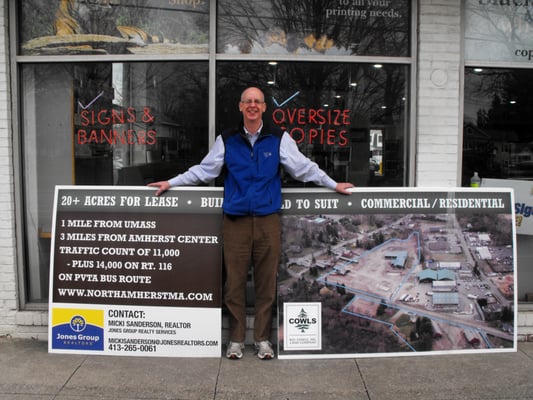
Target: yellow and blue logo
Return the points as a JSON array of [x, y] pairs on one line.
[[77, 329]]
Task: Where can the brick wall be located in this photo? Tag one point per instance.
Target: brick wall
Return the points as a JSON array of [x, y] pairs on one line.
[[438, 97]]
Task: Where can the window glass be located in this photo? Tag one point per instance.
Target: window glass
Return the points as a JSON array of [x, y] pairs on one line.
[[499, 30], [338, 27], [104, 124], [497, 140], [97, 27], [349, 118]]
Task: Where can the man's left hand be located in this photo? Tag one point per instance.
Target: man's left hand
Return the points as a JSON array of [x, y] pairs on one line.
[[343, 187]]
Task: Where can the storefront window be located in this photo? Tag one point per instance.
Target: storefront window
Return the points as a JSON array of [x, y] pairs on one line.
[[498, 107], [99, 27], [350, 118], [118, 92], [497, 123], [104, 124], [324, 27]]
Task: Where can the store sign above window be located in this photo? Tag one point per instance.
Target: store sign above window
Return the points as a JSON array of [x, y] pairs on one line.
[[499, 30]]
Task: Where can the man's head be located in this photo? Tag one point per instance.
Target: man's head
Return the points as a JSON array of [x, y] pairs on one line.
[[252, 105]]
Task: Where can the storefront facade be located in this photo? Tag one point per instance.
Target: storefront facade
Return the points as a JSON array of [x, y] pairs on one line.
[[114, 92]]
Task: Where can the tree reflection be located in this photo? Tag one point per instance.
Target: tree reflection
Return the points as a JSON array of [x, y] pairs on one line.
[[507, 25], [497, 131], [317, 26]]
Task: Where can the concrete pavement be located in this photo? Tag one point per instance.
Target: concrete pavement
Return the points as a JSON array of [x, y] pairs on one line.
[[28, 372]]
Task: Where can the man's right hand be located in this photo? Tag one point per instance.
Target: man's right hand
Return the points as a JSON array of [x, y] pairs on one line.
[[162, 186]]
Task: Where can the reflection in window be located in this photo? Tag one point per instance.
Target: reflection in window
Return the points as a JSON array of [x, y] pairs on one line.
[[303, 27], [349, 118], [497, 139], [104, 124], [97, 27], [498, 30]]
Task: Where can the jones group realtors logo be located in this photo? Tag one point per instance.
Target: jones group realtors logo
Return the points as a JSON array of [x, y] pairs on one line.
[[77, 329], [302, 327]]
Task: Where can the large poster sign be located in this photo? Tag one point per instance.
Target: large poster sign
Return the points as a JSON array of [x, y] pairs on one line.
[[396, 271], [132, 273], [385, 271]]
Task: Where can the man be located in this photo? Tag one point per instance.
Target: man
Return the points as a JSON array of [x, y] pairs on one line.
[[251, 230]]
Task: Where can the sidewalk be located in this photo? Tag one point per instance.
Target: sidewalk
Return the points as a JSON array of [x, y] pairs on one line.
[[28, 372]]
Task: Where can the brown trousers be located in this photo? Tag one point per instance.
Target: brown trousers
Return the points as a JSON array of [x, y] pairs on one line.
[[249, 241]]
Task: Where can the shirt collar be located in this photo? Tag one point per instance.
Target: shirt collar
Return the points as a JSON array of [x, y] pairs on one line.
[[253, 138], [256, 134]]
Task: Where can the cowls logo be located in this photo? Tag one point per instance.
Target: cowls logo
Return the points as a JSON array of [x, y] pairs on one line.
[[302, 326], [303, 321]]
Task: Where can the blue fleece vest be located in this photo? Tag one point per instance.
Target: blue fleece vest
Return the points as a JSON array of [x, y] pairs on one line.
[[252, 184]]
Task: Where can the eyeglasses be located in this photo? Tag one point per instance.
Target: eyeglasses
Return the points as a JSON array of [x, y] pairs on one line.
[[250, 101]]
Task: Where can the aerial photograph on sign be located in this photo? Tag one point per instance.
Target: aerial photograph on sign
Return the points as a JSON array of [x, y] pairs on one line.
[[402, 283]]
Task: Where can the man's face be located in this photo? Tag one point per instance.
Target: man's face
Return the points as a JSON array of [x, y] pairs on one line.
[[252, 105]]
